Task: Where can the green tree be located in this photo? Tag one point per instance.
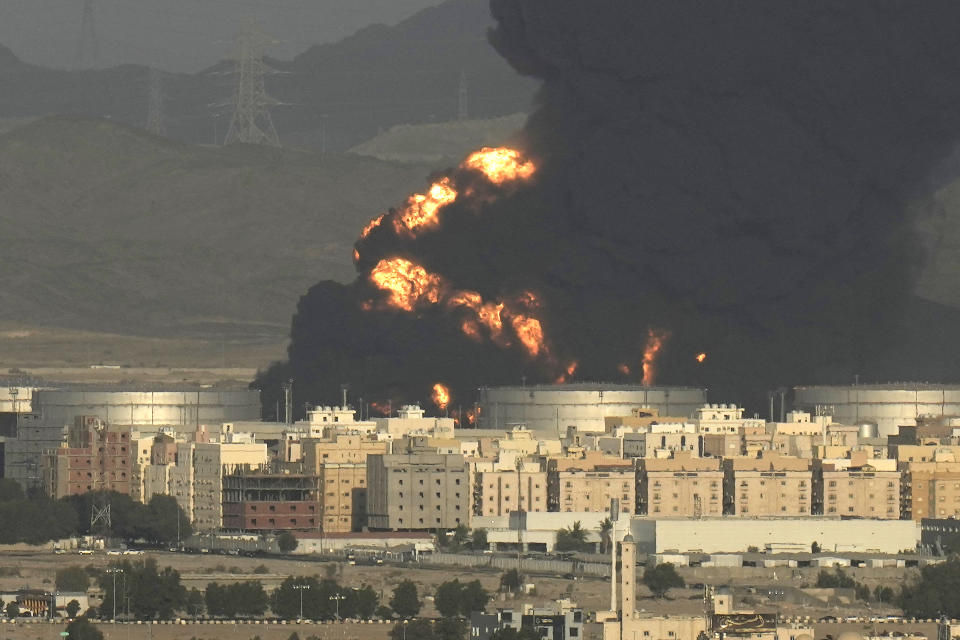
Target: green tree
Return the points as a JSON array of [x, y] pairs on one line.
[[195, 602], [837, 580], [414, 629], [460, 536], [163, 521], [82, 629], [153, 593], [249, 597], [12, 609], [405, 601], [72, 578], [573, 538], [661, 579], [510, 581], [473, 597], [72, 609], [448, 598], [934, 592], [10, 490], [360, 603], [606, 527], [384, 612], [478, 540], [287, 542], [814, 547]]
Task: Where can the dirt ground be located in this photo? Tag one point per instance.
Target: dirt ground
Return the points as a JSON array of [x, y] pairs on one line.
[[230, 631]]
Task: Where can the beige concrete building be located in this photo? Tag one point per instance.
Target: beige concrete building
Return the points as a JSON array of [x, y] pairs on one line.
[[418, 491], [339, 448], [410, 420], [772, 485], [681, 486], [343, 496], [857, 487], [930, 490], [723, 418], [500, 492], [590, 489]]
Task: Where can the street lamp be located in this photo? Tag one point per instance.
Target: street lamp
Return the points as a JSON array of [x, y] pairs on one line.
[[337, 597], [405, 629], [300, 588], [114, 573]]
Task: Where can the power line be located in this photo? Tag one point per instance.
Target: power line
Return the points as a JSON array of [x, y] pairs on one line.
[[88, 49], [251, 122]]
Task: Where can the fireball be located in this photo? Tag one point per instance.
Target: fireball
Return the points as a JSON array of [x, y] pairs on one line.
[[441, 396]]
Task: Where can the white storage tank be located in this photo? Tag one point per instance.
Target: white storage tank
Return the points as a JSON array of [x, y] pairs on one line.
[[887, 405], [547, 410]]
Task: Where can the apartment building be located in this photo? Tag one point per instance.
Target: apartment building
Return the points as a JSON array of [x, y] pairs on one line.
[[682, 486], [770, 485], [930, 489], [590, 483], [340, 449], [418, 491], [497, 493], [723, 418], [95, 457], [857, 487], [342, 496], [261, 500]]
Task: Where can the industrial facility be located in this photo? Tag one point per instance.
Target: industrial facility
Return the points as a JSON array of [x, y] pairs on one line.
[[547, 410]]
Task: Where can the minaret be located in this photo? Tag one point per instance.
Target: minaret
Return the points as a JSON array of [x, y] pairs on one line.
[[628, 572]]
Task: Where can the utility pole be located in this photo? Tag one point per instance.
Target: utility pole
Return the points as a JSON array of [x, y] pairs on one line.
[[251, 122], [88, 49], [301, 588], [155, 103], [114, 573], [337, 597], [463, 104]]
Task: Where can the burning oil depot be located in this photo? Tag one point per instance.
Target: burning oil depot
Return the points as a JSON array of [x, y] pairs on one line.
[[547, 410], [886, 405]]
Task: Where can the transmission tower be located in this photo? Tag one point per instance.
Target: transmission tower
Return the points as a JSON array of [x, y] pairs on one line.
[[155, 104], [100, 512], [462, 98], [251, 122], [88, 49]]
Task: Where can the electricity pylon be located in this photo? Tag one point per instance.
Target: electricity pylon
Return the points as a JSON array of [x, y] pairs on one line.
[[251, 122], [88, 49], [462, 100], [155, 103]]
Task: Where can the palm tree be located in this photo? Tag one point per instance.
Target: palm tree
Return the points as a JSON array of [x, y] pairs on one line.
[[605, 528]]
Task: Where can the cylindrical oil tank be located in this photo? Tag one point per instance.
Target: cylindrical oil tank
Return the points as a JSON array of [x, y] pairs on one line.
[[160, 407], [887, 405], [868, 429], [547, 410]]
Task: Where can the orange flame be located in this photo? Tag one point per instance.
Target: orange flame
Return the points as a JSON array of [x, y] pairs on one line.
[[421, 209], [568, 372], [441, 396], [373, 224], [624, 369], [700, 357], [530, 332], [500, 164], [382, 408], [655, 340], [356, 256], [408, 283]]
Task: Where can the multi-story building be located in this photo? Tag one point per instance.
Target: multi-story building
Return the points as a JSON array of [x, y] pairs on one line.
[[418, 491], [680, 487], [771, 485], [343, 496], [590, 483], [564, 621], [410, 420], [723, 418], [95, 457], [339, 448], [262, 500], [857, 487], [930, 489], [498, 493]]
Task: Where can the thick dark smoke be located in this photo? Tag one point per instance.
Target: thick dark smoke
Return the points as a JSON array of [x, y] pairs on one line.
[[733, 172]]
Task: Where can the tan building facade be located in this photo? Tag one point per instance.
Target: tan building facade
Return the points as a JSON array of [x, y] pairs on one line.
[[339, 448], [418, 491], [680, 487], [930, 490], [500, 492], [771, 485], [343, 496], [862, 491]]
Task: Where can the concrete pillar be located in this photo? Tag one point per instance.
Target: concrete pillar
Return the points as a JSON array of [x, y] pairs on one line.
[[628, 573]]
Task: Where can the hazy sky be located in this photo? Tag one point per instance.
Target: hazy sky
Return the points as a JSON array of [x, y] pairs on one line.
[[183, 35]]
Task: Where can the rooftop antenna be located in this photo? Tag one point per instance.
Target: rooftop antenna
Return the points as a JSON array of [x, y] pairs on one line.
[[463, 112], [251, 122], [155, 103], [88, 49]]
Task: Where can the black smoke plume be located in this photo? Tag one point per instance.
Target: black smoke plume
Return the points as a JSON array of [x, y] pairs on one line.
[[735, 173]]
